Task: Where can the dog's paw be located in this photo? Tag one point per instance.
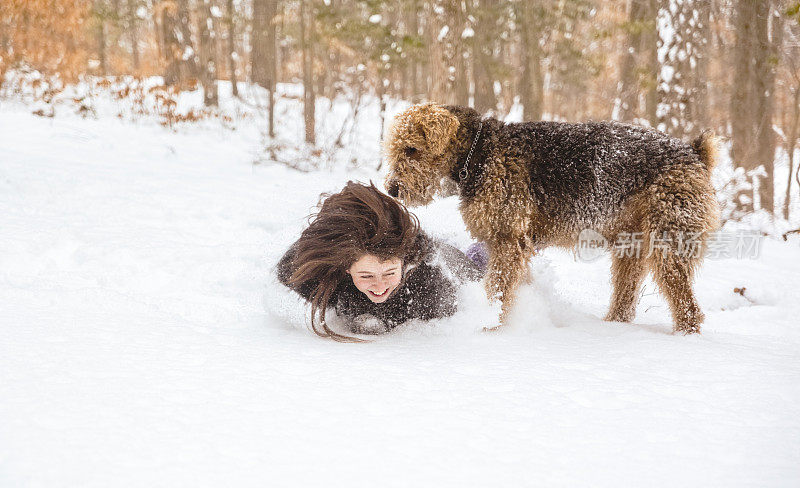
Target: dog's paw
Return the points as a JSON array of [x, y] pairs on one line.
[[619, 317], [686, 329]]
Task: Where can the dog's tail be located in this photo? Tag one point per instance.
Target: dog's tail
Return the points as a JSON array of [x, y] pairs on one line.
[[707, 147]]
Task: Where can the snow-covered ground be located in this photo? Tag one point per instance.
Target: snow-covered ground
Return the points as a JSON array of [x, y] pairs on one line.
[[144, 341]]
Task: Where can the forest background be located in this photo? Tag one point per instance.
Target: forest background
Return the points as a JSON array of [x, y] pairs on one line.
[[732, 66]]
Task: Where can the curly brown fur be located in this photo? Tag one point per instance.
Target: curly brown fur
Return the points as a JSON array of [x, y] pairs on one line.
[[537, 184]]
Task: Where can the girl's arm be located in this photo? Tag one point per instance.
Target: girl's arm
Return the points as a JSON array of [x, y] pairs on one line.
[[431, 294], [462, 267]]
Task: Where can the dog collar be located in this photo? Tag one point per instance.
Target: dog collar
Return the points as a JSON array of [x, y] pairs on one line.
[[464, 173]]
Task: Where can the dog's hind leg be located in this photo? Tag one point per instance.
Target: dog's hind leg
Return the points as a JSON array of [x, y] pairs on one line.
[[681, 213], [673, 274], [627, 274]]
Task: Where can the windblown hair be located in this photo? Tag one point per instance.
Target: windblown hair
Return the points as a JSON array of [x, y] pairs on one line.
[[358, 220]]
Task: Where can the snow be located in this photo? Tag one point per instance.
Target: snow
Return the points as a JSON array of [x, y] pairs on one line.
[[146, 342]]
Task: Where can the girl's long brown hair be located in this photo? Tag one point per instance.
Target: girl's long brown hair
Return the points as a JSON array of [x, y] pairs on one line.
[[358, 220]]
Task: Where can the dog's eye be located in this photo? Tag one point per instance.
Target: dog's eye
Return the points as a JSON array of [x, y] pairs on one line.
[[410, 151]]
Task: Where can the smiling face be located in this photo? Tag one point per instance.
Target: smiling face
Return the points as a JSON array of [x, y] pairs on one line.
[[375, 278]]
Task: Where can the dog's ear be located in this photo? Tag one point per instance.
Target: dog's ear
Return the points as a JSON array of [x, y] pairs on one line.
[[438, 126]]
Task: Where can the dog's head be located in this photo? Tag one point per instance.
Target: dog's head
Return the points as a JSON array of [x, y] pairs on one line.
[[417, 150]]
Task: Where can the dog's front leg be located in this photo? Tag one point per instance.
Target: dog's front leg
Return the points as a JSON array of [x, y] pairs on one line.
[[508, 260]]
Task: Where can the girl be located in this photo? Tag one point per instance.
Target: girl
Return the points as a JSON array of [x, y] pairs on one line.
[[365, 256]]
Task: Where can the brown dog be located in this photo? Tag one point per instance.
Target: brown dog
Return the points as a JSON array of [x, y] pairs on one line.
[[530, 185]]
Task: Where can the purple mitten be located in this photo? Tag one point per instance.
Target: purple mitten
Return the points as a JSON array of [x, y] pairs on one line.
[[478, 253]]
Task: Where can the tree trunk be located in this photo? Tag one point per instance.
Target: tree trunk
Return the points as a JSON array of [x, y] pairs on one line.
[[700, 83], [4, 40], [306, 34], [482, 48], [790, 145], [258, 43], [171, 44], [751, 100], [284, 52], [272, 62], [636, 74], [743, 97], [133, 19], [437, 87], [100, 14], [650, 77], [188, 52], [264, 53], [413, 28], [381, 109], [792, 65], [180, 57], [460, 76], [158, 27], [207, 55], [682, 89], [424, 65], [531, 89], [320, 53], [770, 37], [232, 47]]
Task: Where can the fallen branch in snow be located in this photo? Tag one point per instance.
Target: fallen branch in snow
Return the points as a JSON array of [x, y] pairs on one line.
[[786, 234], [740, 291], [41, 113]]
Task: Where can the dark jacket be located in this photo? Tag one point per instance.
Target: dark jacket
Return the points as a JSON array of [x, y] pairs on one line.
[[427, 290]]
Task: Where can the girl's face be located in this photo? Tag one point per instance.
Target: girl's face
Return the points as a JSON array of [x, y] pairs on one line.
[[375, 278]]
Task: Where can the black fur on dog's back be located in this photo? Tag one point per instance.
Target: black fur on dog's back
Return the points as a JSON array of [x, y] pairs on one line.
[[595, 165], [580, 173]]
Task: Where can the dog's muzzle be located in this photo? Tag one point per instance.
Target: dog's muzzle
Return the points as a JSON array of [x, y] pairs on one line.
[[393, 188]]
